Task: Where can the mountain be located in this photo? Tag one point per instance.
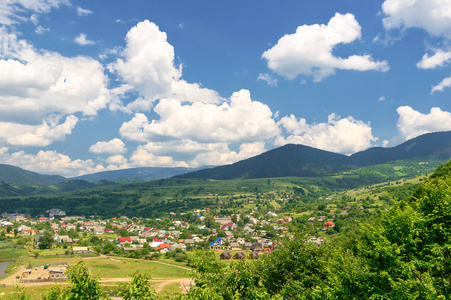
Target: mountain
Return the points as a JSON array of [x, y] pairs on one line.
[[437, 143], [304, 161], [145, 173], [288, 160], [11, 174]]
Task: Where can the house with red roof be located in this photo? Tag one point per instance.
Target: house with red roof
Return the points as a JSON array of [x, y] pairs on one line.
[[229, 226], [124, 239], [328, 224]]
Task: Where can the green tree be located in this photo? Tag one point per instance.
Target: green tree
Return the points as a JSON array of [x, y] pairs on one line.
[[46, 240], [83, 285], [138, 288]]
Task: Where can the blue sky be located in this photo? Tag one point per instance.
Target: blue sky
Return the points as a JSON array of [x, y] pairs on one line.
[[89, 86]]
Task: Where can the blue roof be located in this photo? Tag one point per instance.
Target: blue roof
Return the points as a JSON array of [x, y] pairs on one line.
[[217, 240]]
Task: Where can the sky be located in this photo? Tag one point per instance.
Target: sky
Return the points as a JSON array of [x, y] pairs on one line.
[[90, 86]]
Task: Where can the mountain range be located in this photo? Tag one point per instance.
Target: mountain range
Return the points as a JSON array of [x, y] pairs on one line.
[[304, 161], [288, 160]]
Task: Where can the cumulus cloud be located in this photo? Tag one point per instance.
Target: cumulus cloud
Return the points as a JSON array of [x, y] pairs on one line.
[[309, 50], [50, 162], [434, 16], [15, 11], [38, 82], [115, 146], [412, 123], [148, 68], [83, 12], [82, 41], [346, 135], [141, 157], [445, 83], [41, 135], [241, 120], [439, 59], [271, 81]]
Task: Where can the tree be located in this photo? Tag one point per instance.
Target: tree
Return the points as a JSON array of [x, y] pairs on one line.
[[83, 285], [46, 240], [138, 288]]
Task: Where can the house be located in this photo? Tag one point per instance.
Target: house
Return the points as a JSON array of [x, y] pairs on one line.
[[256, 247], [177, 246], [225, 255], [229, 226], [189, 242], [312, 219], [217, 243], [163, 246], [234, 246], [253, 255], [79, 250], [42, 219], [123, 240], [58, 272], [240, 241], [247, 245], [328, 224], [239, 255], [64, 239]]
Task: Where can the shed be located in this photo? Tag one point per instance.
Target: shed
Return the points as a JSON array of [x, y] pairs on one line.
[[226, 255]]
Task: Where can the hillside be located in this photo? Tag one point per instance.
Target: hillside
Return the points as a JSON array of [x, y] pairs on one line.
[[304, 161], [145, 173], [11, 174], [288, 160]]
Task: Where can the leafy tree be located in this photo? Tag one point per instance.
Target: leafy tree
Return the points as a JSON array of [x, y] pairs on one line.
[[138, 288], [46, 240], [83, 285]]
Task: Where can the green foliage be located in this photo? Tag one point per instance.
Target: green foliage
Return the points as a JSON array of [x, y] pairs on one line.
[[46, 240], [139, 288], [83, 285]]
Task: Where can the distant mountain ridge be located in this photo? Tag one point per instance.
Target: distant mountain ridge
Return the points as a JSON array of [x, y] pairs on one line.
[[303, 161], [12, 174], [144, 173]]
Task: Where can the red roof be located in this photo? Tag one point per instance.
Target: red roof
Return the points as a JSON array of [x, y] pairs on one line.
[[329, 223], [124, 239], [42, 218], [155, 239], [162, 246]]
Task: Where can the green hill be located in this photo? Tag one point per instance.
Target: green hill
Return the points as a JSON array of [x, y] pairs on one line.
[[11, 174], [304, 161]]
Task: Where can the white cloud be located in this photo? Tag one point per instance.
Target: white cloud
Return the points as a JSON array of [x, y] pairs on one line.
[[381, 98], [142, 157], [41, 30], [346, 135], [41, 135], [241, 120], [115, 146], [37, 82], [13, 11], [309, 50], [148, 67], [434, 16], [412, 123], [445, 83], [82, 41], [225, 156], [83, 12], [439, 59], [271, 81], [50, 162], [117, 160]]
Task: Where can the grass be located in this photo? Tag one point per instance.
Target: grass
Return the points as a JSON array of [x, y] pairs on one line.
[[11, 254]]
